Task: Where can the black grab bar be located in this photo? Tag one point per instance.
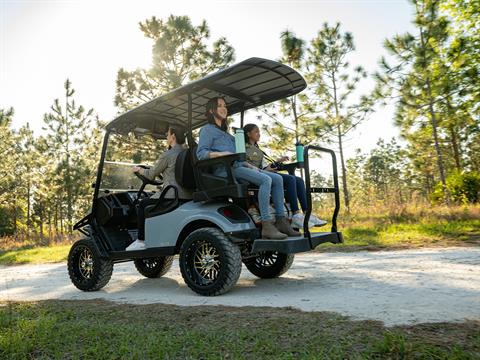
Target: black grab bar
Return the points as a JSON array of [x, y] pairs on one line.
[[309, 189]]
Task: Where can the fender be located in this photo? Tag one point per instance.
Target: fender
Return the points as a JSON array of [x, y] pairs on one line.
[[164, 230]]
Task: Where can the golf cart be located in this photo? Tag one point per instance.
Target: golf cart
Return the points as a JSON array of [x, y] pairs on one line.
[[212, 233]]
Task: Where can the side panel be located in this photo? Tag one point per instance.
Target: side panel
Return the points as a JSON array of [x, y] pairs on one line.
[[163, 230]]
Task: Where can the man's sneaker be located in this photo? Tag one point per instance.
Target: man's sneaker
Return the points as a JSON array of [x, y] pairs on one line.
[[136, 245], [317, 221]]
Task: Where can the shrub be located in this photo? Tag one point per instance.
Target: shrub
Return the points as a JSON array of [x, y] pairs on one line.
[[463, 188]]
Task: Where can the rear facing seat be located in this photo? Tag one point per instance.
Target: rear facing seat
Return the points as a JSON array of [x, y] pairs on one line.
[[197, 175]]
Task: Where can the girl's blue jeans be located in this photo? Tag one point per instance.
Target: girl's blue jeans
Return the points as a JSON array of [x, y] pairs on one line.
[[268, 182], [295, 188]]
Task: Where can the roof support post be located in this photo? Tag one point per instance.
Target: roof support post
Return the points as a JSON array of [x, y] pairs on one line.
[[242, 114], [100, 170], [189, 121]]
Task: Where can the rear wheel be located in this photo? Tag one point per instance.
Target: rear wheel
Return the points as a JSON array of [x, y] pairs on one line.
[[270, 264], [86, 268], [154, 267], [210, 263]]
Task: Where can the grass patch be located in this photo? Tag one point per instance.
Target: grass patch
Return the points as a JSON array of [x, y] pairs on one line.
[[407, 228], [99, 329], [37, 255], [364, 236]]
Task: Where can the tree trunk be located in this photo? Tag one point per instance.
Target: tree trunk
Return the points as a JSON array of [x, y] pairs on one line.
[[454, 136], [55, 218], [346, 198], [433, 120], [295, 117], [456, 152], [28, 207], [340, 147], [50, 225], [61, 217], [68, 180], [15, 215]]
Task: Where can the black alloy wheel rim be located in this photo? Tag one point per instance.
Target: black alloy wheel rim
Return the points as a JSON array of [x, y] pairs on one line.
[[266, 259], [202, 262], [85, 263], [150, 263]]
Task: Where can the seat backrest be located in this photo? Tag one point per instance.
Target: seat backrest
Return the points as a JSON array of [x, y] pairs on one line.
[[184, 174]]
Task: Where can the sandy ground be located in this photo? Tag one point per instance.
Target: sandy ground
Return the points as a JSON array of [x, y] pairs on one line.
[[396, 287]]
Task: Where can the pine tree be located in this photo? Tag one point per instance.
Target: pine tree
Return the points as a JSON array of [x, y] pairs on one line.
[[8, 153], [334, 85], [67, 130], [26, 170], [179, 54], [292, 120], [419, 79], [463, 58]]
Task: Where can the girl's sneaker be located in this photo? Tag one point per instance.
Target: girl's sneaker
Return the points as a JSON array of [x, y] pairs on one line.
[[317, 221], [297, 221]]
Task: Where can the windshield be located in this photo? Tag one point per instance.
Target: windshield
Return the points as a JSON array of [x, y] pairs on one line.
[[125, 152], [119, 176]]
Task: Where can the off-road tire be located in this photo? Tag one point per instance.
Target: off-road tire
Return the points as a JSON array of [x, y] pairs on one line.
[[269, 264], [207, 279], [154, 267], [88, 271]]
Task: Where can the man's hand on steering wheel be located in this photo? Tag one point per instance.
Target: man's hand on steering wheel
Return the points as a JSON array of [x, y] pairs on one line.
[[139, 172]]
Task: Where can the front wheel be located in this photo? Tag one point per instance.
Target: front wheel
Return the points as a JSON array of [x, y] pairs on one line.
[[210, 263], [154, 267], [270, 264], [86, 268]]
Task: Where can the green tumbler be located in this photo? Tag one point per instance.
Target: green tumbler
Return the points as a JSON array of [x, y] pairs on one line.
[[299, 149]]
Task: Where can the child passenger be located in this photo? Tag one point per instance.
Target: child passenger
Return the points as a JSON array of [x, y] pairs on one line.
[[294, 185]]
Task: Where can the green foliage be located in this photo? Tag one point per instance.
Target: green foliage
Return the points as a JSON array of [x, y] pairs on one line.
[[380, 176], [434, 79], [39, 255], [179, 54], [464, 188], [68, 144], [46, 179], [290, 120], [6, 222], [7, 179], [334, 84]]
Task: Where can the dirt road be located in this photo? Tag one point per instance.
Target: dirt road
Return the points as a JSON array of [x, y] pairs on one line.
[[396, 287]]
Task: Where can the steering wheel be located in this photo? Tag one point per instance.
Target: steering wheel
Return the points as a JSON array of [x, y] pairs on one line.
[[145, 182]]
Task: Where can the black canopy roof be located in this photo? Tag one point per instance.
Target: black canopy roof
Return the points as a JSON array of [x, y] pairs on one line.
[[245, 85]]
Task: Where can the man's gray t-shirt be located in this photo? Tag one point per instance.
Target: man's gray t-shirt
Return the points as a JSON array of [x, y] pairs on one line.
[[165, 166]]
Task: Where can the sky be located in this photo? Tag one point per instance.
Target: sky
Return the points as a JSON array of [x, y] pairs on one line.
[[42, 43]]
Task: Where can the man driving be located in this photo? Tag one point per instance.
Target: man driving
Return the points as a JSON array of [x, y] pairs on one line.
[[164, 166]]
